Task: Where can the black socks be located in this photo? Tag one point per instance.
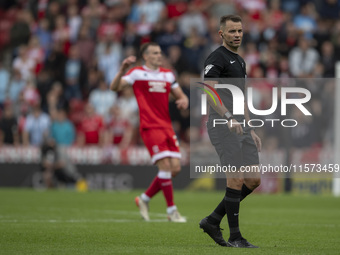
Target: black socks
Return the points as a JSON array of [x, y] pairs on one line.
[[245, 192], [232, 206], [216, 216]]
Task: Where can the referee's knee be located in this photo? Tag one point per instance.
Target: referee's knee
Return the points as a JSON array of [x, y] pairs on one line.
[[253, 183]]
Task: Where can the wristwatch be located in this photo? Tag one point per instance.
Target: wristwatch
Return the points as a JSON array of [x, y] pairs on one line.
[[228, 115]]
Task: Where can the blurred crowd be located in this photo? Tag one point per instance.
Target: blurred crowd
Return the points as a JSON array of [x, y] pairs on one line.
[[58, 58]]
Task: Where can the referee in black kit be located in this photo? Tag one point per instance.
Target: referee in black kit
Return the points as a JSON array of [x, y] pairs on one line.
[[235, 144]]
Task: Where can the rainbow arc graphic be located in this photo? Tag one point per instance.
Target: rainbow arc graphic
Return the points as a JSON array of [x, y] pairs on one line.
[[209, 93]]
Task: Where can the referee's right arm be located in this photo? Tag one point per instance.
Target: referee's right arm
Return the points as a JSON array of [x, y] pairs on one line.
[[212, 72]]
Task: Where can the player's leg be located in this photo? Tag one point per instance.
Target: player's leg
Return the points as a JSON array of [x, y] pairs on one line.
[[239, 185], [173, 214], [175, 164], [221, 139], [232, 200], [232, 206], [153, 140], [251, 181]]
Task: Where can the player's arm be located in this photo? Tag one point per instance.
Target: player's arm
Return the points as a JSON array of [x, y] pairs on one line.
[[222, 110], [118, 83], [255, 137], [182, 100]]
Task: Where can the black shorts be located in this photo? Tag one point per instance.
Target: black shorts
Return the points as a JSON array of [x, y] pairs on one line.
[[234, 150]]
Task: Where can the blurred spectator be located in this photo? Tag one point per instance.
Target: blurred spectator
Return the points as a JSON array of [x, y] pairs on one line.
[[193, 51], [41, 8], [20, 31], [92, 82], [37, 126], [4, 80], [21, 109], [36, 53], [44, 36], [290, 6], [193, 19], [31, 94], [177, 60], [128, 105], [75, 75], [170, 36], [253, 7], [305, 21], [44, 85], [270, 64], [55, 99], [24, 64], [62, 33], [221, 7], [76, 112], [328, 59], [275, 16], [55, 62], [284, 68], [74, 22], [149, 10], [287, 37], [94, 11], [102, 99], [53, 10], [86, 46], [302, 59], [130, 37], [8, 127], [329, 9], [143, 28], [175, 8], [109, 58], [118, 128], [91, 128], [62, 130], [111, 27], [16, 86], [252, 56]]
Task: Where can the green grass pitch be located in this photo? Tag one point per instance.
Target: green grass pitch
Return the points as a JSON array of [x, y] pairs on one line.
[[67, 222]]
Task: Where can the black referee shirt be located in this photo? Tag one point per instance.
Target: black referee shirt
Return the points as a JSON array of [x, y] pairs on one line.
[[223, 63]]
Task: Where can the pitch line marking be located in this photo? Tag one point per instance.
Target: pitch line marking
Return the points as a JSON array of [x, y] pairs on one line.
[[80, 221]]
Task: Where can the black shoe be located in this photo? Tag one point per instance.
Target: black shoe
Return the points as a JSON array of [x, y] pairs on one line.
[[241, 243], [214, 231]]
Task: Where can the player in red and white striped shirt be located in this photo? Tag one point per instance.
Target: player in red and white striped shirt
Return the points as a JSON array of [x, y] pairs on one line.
[[152, 85]]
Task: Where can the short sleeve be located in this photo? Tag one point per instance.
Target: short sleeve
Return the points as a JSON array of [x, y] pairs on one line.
[[213, 66], [174, 83], [129, 77]]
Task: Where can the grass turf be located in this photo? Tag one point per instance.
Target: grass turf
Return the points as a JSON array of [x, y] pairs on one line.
[[67, 222]]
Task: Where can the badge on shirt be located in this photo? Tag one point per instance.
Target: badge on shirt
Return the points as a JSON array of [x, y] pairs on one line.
[[207, 68]]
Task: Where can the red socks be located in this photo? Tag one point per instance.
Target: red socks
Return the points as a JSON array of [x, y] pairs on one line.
[[161, 182], [153, 188]]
